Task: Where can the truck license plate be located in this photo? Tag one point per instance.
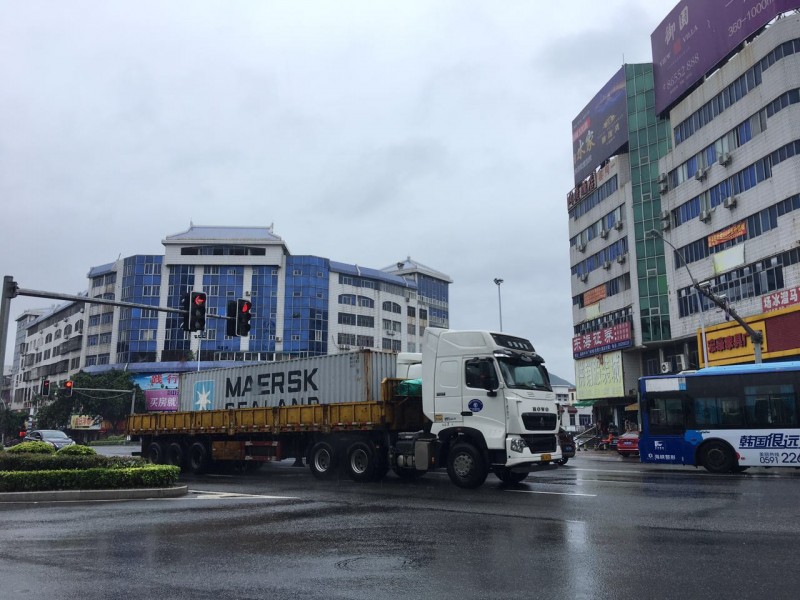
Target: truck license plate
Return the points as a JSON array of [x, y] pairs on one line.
[[546, 457]]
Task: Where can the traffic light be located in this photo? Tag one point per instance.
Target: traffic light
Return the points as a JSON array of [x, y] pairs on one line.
[[45, 387], [243, 308], [194, 303], [68, 387]]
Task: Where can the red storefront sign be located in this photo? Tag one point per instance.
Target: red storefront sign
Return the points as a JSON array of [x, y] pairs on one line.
[[605, 340]]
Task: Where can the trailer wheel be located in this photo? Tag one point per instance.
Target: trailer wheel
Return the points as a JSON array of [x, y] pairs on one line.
[[360, 461], [198, 458], [322, 461], [506, 475], [466, 466], [155, 453], [175, 455]]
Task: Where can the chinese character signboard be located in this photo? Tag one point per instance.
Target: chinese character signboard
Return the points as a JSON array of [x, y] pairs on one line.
[[698, 34], [600, 377], [601, 129], [161, 391], [731, 233], [780, 299], [597, 342]]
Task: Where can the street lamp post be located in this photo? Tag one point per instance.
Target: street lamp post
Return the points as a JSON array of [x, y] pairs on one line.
[[497, 282], [721, 302]]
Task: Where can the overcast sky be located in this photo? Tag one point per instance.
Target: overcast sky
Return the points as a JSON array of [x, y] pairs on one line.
[[365, 131]]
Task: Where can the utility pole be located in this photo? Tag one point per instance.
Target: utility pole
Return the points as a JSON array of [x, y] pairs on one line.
[[705, 289]]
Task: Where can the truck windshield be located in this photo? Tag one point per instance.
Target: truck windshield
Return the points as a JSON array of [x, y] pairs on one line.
[[523, 373]]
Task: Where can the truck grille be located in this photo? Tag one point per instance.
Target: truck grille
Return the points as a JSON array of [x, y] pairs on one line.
[[539, 421], [541, 443]]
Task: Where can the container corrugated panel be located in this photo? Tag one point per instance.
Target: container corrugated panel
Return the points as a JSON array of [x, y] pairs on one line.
[[351, 377]]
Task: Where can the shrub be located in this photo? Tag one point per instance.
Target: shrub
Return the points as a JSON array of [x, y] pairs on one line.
[[32, 448], [88, 479], [77, 450], [59, 461]]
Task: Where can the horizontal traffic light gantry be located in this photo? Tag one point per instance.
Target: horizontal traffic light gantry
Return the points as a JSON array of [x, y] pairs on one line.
[[238, 318], [194, 303]]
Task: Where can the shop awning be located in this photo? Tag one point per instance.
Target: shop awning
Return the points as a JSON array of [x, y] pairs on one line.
[[634, 406], [585, 403]]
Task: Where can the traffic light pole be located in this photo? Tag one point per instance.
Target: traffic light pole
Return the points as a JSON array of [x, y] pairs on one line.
[[12, 290], [756, 336]]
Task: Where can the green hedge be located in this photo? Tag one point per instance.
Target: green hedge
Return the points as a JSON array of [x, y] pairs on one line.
[[156, 476], [63, 461], [32, 448]]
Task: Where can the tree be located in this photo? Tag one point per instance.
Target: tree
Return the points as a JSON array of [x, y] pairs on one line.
[[55, 414], [112, 406], [11, 422]]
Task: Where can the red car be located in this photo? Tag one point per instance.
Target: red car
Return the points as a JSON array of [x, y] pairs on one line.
[[628, 443]]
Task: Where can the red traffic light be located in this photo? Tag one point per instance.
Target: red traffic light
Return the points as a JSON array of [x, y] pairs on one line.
[[68, 387], [199, 299], [245, 306]]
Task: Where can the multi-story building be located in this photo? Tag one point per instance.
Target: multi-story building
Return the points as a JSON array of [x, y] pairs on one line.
[[699, 192], [301, 306]]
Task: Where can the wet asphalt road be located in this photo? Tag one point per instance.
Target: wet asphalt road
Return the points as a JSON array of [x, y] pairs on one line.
[[600, 527]]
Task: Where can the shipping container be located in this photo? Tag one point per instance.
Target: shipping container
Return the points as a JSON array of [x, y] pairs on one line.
[[350, 377]]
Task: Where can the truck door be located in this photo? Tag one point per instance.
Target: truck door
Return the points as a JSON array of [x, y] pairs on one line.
[[483, 407]]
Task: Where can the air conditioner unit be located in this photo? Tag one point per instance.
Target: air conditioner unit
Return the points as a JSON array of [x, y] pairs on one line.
[[663, 188], [662, 178], [584, 276], [700, 174], [607, 265], [725, 159], [581, 247], [680, 362], [665, 225], [666, 367], [604, 233], [618, 225], [705, 216], [621, 259], [729, 202]]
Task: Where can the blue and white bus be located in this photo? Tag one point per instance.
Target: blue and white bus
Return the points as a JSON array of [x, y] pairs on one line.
[[722, 418]]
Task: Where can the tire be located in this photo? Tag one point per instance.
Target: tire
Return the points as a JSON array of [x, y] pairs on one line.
[[508, 476], [175, 455], [360, 465], [717, 457], [198, 458], [562, 461], [155, 453], [322, 461], [466, 466]]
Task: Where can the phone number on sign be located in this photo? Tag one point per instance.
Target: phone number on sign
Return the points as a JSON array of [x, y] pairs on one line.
[[751, 13], [779, 458]]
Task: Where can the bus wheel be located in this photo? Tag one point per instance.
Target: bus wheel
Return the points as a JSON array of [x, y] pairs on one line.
[[506, 475], [155, 453], [322, 461], [718, 457], [198, 458], [466, 466], [360, 461]]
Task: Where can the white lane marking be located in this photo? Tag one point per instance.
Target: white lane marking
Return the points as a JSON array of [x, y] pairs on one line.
[[207, 495], [553, 493]]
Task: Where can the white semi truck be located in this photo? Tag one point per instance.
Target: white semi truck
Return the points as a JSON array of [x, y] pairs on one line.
[[484, 405]]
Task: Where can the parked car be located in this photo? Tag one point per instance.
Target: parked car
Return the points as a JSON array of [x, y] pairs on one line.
[[628, 443], [57, 438], [567, 443]]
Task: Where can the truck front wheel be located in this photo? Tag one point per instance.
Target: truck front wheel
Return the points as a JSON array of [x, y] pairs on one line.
[[322, 461], [466, 466]]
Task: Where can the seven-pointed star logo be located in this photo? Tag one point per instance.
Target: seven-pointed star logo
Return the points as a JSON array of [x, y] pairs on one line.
[[204, 397]]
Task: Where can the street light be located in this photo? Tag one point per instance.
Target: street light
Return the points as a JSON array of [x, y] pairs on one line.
[[720, 301], [497, 282]]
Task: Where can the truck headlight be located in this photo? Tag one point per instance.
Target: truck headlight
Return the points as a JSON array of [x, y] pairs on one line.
[[518, 445]]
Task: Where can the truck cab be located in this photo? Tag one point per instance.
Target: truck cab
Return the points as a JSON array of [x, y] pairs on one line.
[[489, 400]]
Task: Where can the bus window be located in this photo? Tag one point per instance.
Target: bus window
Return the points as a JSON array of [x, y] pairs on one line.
[[666, 415], [770, 406]]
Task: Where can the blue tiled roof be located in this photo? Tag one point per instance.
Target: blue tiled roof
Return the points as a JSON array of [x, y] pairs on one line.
[[101, 270], [358, 271]]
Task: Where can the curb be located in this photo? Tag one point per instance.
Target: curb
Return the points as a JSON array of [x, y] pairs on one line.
[[86, 495]]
